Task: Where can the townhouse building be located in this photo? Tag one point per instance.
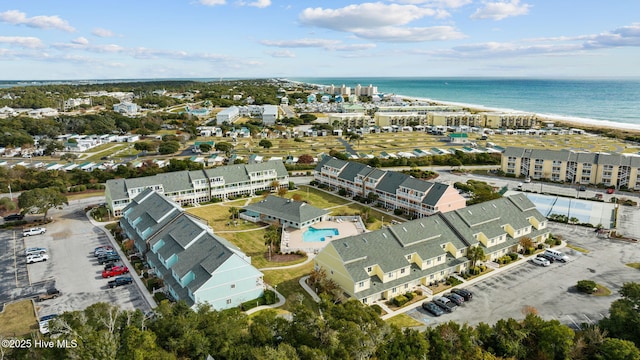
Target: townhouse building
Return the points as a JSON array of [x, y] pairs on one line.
[[449, 118], [196, 265], [192, 187], [351, 119], [512, 120], [392, 190], [576, 167], [396, 259]]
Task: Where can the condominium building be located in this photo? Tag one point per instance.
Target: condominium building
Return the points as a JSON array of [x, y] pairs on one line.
[[619, 170], [196, 265], [351, 120], [400, 258], [127, 108], [228, 115], [400, 119], [450, 118], [192, 187], [420, 109], [269, 114], [392, 190], [499, 120]]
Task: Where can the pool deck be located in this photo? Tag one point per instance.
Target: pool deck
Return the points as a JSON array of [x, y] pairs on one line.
[[292, 238]]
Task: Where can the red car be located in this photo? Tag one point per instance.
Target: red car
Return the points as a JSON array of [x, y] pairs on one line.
[[115, 271], [610, 191]]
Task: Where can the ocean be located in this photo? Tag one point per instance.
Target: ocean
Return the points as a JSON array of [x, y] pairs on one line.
[[606, 101]]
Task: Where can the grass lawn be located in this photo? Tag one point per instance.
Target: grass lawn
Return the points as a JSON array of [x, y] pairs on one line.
[[18, 319], [403, 321], [317, 198], [99, 154], [577, 248], [634, 265], [84, 195], [218, 215], [287, 282], [602, 291]]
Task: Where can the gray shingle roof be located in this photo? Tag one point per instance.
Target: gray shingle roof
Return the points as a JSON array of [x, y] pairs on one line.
[[425, 237], [287, 209]]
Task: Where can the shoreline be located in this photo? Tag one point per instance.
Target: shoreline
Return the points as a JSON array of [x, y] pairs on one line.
[[559, 119], [562, 120]]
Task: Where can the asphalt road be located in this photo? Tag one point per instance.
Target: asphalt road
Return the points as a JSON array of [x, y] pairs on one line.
[[550, 290]]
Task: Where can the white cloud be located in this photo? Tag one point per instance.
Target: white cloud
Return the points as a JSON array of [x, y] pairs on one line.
[[212, 2], [282, 54], [331, 45], [17, 17], [99, 32], [80, 41], [620, 37], [22, 41], [258, 3], [301, 43], [366, 16], [409, 34], [451, 4], [501, 10]]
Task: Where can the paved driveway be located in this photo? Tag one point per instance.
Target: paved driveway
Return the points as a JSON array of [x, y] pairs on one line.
[[550, 289]]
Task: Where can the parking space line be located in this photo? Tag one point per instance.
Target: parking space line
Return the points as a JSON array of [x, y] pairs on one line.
[[588, 319], [574, 323]]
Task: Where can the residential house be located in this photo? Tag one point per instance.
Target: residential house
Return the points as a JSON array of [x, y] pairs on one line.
[[284, 212], [196, 265]]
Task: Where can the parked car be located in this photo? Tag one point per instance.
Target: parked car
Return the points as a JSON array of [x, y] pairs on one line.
[[466, 294], [13, 217], [50, 294], [446, 304], [37, 258], [547, 256], [557, 255], [119, 281], [527, 180], [457, 299], [110, 266], [582, 188], [34, 251], [34, 231], [115, 271], [610, 191], [540, 261], [110, 258], [104, 251], [432, 308]]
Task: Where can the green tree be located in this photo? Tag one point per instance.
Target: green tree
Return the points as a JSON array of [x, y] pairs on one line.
[[623, 321], [225, 147], [475, 254], [41, 200], [265, 143], [204, 147], [169, 147], [234, 211], [617, 349]]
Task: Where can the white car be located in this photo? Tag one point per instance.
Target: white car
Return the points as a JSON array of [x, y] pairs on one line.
[[540, 261], [35, 251], [34, 231], [37, 258]]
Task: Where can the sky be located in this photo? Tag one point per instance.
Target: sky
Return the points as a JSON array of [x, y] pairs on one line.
[[71, 39]]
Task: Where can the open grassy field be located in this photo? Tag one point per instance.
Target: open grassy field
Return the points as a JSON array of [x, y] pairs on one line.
[[403, 321], [407, 141], [317, 198], [219, 217], [107, 151], [287, 283], [18, 319]]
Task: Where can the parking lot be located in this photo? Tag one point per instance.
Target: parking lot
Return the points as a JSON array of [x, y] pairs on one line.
[[71, 268], [550, 290]]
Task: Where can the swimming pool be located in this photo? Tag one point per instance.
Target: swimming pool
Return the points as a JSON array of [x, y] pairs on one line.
[[314, 235]]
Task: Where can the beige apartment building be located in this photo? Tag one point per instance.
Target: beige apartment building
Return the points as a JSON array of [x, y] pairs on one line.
[[351, 120], [516, 120], [448, 118], [619, 170]]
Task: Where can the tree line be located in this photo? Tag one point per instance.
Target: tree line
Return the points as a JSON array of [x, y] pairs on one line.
[[347, 330]]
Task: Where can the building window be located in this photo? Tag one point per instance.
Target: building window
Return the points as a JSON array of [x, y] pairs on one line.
[[361, 284], [369, 269], [233, 286], [402, 271], [228, 301], [439, 258]]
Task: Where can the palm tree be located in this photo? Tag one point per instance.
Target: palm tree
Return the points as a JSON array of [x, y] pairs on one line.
[[474, 254], [234, 211]]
